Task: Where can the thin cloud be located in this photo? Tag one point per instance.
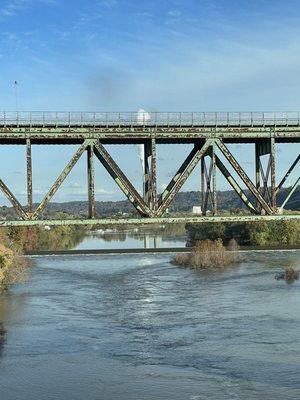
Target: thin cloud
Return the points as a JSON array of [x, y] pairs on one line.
[[108, 3], [13, 7]]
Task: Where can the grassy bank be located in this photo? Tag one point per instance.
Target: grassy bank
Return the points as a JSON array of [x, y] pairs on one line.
[[274, 233], [17, 240], [12, 264]]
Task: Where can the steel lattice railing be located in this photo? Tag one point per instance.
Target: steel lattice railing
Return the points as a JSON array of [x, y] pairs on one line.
[[132, 119]]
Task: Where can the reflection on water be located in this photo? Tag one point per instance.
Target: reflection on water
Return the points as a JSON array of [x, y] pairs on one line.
[[126, 240], [136, 327], [2, 330], [2, 337]]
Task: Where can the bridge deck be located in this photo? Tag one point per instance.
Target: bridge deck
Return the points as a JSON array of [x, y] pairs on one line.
[[134, 127]]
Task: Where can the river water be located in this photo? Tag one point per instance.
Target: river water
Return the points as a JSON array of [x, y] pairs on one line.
[[136, 327]]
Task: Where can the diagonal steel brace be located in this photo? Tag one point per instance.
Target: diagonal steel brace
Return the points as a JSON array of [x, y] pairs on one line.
[[61, 178], [236, 187], [12, 199], [181, 176], [288, 173], [119, 177], [242, 174]]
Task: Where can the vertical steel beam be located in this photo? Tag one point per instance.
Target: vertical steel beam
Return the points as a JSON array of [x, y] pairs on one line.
[[257, 172], [91, 181], [146, 172], [207, 187], [153, 176], [202, 184], [273, 174], [208, 179], [268, 190], [29, 175], [149, 174], [214, 180]]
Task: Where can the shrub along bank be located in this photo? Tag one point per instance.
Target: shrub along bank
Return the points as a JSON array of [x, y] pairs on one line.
[[209, 254], [273, 233], [17, 240]]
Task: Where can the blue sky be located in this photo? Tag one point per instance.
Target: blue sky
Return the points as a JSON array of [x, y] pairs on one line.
[[159, 55]]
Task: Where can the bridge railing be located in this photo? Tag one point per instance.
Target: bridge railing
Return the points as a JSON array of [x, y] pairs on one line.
[[167, 119]]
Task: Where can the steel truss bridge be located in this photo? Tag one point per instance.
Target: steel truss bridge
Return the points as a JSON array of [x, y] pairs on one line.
[[209, 133]]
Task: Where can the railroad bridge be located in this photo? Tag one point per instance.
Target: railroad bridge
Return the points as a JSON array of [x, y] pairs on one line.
[[209, 134]]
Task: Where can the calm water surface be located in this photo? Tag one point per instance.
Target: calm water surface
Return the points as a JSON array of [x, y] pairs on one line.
[[129, 240], [135, 327]]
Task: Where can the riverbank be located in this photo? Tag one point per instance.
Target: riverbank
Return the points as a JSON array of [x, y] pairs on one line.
[[16, 242], [267, 235], [13, 266]]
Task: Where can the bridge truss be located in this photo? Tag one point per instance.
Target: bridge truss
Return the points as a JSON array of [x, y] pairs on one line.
[[209, 133]]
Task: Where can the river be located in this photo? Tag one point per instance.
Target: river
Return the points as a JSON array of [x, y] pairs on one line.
[[136, 327]]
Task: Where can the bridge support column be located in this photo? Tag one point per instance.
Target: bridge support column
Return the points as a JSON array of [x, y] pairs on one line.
[[29, 175], [208, 182], [265, 175], [150, 179], [91, 181]]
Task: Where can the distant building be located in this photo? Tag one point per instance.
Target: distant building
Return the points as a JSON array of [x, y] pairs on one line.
[[197, 210]]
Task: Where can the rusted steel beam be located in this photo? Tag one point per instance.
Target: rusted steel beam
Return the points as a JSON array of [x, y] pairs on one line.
[[283, 180], [268, 189], [214, 180], [181, 176], [207, 186], [146, 173], [236, 187], [239, 170], [294, 187], [202, 183], [273, 175], [153, 175], [257, 172], [91, 181], [119, 177], [29, 175], [12, 199], [61, 178], [265, 178], [134, 134]]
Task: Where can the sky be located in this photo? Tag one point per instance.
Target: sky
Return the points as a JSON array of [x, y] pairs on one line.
[[112, 55]]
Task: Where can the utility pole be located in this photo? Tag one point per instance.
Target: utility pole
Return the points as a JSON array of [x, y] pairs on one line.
[[16, 95]]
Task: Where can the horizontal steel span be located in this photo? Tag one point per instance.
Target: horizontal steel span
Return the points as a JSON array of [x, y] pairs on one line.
[[152, 221], [141, 118], [118, 128], [208, 133]]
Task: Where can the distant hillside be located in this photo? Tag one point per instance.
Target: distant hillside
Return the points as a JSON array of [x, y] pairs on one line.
[[183, 202]]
